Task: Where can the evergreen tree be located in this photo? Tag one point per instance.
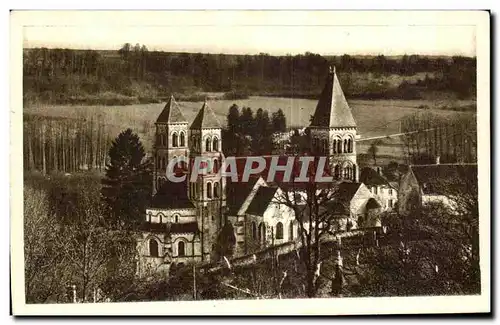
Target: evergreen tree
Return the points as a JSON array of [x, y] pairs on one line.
[[279, 121], [247, 121], [127, 185], [231, 135], [233, 119], [262, 139]]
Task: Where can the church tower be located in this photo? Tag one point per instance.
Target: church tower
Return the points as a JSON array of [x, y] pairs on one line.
[[333, 130], [171, 141], [207, 191]]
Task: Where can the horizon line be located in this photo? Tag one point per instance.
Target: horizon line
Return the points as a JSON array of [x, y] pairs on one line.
[[196, 51]]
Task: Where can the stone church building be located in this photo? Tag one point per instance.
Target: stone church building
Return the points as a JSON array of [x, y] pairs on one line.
[[182, 224]]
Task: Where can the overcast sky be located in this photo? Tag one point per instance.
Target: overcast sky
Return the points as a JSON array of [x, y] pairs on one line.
[[252, 32]]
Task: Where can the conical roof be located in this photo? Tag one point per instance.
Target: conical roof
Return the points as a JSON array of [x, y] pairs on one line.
[[171, 113], [206, 119], [332, 110]]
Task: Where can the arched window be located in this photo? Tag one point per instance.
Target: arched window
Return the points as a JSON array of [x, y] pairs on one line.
[[153, 248], [290, 231], [347, 172], [254, 230], [175, 140], [339, 146], [349, 145], [215, 144], [337, 171], [262, 232], [216, 166], [193, 141], [324, 146], [163, 139], [160, 217], [183, 139], [208, 145], [279, 230], [163, 163], [216, 189], [209, 190], [176, 218], [334, 146], [181, 251], [345, 145]]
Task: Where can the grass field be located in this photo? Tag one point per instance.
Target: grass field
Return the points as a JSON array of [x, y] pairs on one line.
[[373, 117]]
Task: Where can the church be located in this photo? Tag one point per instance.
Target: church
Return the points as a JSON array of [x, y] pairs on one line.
[[184, 220]]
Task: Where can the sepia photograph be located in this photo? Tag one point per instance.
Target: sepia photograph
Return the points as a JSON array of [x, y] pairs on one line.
[[250, 162]]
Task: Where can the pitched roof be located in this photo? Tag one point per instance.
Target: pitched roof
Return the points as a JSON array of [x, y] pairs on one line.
[[437, 179], [237, 193], [205, 119], [345, 192], [171, 113], [370, 177], [172, 196], [332, 109], [261, 200]]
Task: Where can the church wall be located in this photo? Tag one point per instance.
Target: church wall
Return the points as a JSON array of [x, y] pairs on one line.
[[252, 241], [192, 248], [168, 215], [148, 264], [274, 214]]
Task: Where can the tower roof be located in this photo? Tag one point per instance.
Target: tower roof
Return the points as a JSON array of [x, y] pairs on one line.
[[332, 109], [206, 119], [171, 113]]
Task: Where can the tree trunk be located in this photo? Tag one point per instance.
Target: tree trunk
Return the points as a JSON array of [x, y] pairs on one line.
[[31, 161], [54, 146], [44, 163]]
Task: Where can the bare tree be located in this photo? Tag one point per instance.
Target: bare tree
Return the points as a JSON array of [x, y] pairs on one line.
[[41, 256], [313, 206]]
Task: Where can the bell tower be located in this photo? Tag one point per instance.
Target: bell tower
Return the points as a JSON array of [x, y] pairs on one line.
[[334, 130], [171, 141], [208, 190]]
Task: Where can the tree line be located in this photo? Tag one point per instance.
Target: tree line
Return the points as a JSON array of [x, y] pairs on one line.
[[453, 139], [133, 72], [251, 134], [64, 145]]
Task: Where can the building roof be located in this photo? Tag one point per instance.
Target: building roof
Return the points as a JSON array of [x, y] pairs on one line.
[[237, 193], [205, 119], [172, 196], [370, 177], [332, 110], [261, 200], [345, 191], [173, 228], [171, 113], [437, 179]]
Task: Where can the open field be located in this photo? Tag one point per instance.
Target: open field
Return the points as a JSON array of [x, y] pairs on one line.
[[374, 117]]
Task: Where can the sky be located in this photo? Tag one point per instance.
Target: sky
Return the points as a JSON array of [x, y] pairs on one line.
[[252, 32]]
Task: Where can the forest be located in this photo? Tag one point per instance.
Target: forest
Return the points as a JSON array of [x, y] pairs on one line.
[[54, 145], [428, 136], [132, 74]]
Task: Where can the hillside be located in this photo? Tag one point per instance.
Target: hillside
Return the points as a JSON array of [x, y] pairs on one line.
[[133, 75]]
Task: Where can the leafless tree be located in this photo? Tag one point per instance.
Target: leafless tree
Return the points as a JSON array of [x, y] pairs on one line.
[[313, 206]]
